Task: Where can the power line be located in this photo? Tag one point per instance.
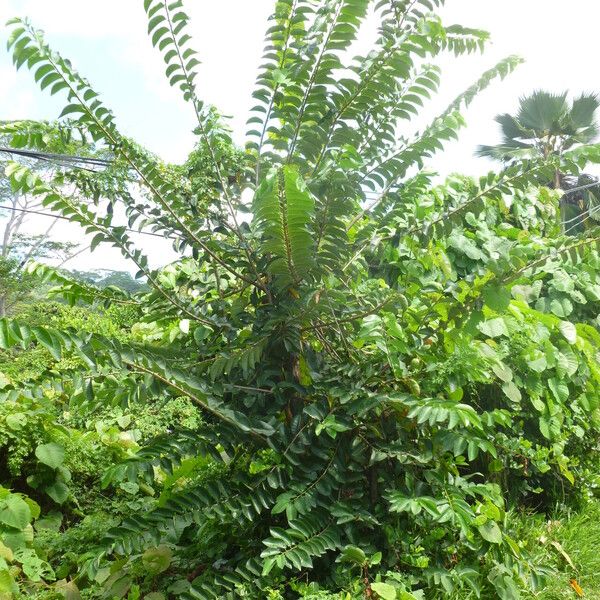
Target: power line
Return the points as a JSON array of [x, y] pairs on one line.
[[583, 218], [65, 158], [581, 187], [70, 160], [53, 216], [577, 217]]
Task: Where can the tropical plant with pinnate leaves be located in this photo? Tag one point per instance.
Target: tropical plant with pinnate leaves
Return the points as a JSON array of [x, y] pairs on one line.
[[362, 347]]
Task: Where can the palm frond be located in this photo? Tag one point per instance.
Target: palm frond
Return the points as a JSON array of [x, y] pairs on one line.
[[542, 111]]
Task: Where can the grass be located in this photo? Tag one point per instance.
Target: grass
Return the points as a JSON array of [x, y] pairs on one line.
[[572, 546]]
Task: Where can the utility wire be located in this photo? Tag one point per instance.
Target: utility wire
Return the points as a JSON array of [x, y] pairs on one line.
[[581, 187], [53, 216], [65, 158], [71, 160], [594, 210], [584, 217]]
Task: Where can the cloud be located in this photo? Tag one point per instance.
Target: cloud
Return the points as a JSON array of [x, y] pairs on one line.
[[20, 101], [78, 18]]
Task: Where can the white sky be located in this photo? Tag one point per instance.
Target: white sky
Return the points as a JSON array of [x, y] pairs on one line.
[[107, 42]]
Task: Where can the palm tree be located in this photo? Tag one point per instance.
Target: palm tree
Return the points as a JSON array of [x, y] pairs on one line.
[[547, 125]]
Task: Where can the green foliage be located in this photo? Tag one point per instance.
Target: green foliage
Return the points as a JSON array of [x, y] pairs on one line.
[[283, 209], [549, 125], [350, 392], [58, 452], [15, 285], [546, 123], [19, 562]]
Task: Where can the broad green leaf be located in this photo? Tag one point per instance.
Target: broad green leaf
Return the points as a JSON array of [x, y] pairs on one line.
[[567, 362], [158, 559], [566, 472], [4, 380], [511, 391], [385, 591], [561, 307], [118, 585], [559, 389], [130, 487], [493, 327], [502, 371], [33, 566], [58, 491], [465, 245], [568, 330], [353, 554], [6, 553], [490, 532], [15, 512], [497, 298], [545, 427], [537, 361], [34, 507], [69, 590], [50, 454], [16, 539], [7, 584], [16, 420]]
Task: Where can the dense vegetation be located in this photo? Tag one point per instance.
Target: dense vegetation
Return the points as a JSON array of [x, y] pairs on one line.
[[357, 381]]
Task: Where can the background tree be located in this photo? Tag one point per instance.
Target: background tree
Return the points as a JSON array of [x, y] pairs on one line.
[[547, 125], [16, 209], [50, 149], [108, 277]]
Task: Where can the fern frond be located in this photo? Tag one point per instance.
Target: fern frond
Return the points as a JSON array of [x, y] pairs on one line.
[[434, 411], [396, 13], [226, 584], [167, 22], [245, 359], [444, 128], [336, 26], [97, 350], [379, 77], [322, 481], [234, 503]]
